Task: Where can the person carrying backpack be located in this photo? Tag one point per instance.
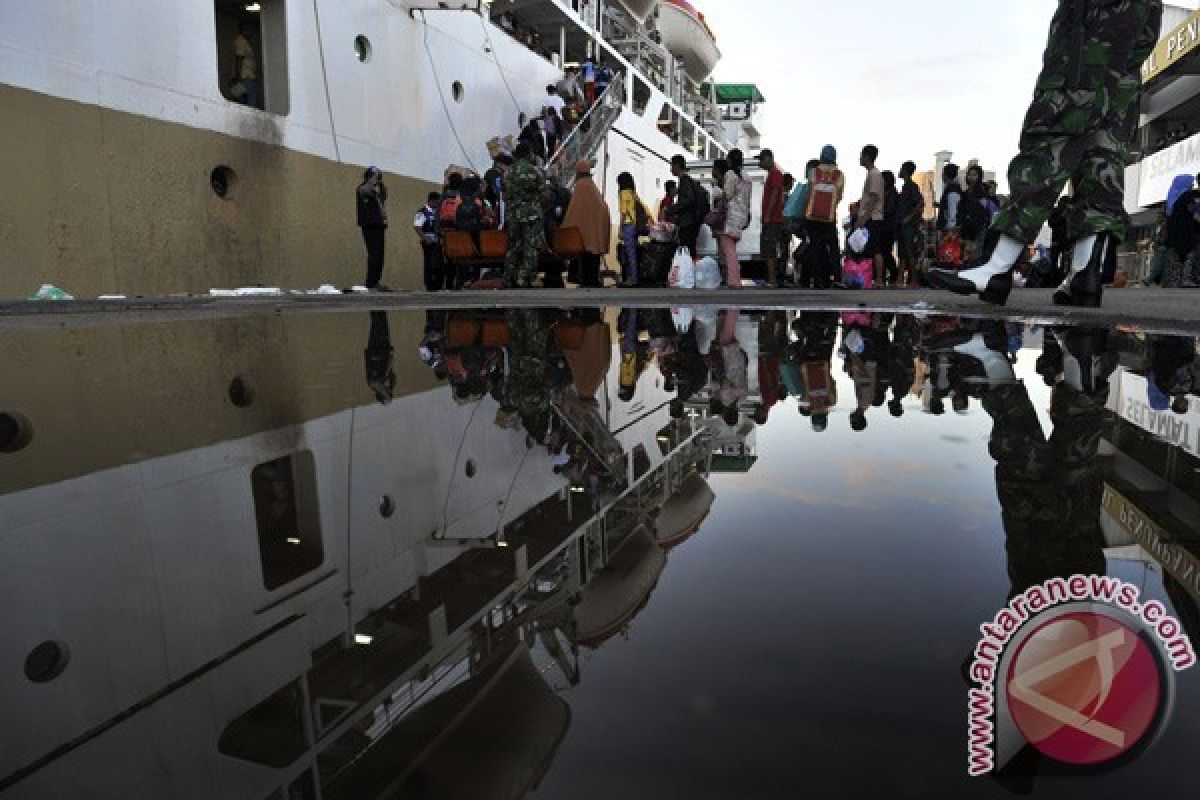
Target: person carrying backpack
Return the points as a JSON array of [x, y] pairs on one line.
[[825, 191], [451, 198]]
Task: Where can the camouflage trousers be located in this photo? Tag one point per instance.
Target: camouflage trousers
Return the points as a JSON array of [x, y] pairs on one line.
[[1083, 118], [1049, 491], [529, 353], [526, 241]]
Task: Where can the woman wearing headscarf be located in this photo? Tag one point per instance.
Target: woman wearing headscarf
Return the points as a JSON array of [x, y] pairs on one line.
[[737, 198], [635, 219], [1183, 203], [588, 212], [371, 201]]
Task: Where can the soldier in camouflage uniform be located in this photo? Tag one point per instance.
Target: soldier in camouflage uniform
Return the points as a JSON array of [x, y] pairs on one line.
[[523, 187], [529, 391], [1079, 127]]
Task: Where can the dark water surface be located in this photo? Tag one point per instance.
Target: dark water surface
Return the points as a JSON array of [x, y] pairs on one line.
[[568, 553]]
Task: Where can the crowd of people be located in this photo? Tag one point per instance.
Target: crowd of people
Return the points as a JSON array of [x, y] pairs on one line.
[[743, 367], [517, 194]]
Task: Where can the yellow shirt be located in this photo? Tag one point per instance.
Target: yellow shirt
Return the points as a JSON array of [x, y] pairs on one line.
[[629, 204]]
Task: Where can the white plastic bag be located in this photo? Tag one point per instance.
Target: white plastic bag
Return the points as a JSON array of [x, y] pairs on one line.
[[682, 317], [708, 273], [683, 270], [858, 240]]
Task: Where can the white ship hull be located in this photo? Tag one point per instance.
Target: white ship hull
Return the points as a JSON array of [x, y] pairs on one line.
[[115, 119], [134, 543]]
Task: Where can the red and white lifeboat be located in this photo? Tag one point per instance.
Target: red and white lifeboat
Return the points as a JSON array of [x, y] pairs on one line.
[[639, 9], [687, 35]]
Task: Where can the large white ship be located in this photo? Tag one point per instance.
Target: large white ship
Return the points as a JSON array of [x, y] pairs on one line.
[[136, 170], [270, 598]]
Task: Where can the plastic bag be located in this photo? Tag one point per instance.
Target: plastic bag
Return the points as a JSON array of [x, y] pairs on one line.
[[708, 273], [705, 241], [857, 241], [50, 292], [683, 270], [857, 273], [682, 317]]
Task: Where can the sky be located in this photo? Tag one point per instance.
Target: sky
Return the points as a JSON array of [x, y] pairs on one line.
[[910, 76]]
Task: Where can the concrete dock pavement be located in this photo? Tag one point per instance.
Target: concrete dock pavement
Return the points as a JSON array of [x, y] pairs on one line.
[[1162, 310]]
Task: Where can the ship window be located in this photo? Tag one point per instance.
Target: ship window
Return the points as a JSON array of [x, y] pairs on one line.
[[641, 95], [15, 432], [285, 510], [362, 48], [251, 39]]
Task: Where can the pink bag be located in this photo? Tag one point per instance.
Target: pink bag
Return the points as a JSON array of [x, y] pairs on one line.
[[858, 273]]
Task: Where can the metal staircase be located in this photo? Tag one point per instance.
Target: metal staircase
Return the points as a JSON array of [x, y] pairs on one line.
[[584, 142]]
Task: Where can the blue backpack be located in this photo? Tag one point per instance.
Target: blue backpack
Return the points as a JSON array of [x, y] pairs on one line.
[[797, 201]]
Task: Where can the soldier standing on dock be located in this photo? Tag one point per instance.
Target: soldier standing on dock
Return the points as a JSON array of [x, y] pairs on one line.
[[1079, 128], [526, 233]]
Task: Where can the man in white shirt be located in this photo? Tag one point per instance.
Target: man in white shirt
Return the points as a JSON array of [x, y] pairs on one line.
[[870, 210], [554, 100]]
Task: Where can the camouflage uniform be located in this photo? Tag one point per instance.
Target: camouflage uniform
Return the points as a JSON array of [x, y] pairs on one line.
[[1083, 117], [1049, 492], [529, 390], [526, 232]]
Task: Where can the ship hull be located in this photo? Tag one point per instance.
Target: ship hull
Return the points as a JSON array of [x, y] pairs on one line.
[[108, 152]]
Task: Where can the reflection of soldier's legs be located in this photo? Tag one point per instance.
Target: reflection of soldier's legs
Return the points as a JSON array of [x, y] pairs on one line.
[[1042, 537]]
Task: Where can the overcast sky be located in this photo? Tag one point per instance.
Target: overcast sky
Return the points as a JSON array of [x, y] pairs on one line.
[[910, 76]]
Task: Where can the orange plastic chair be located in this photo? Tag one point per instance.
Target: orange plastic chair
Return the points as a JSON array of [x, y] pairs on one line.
[[493, 245], [459, 246]]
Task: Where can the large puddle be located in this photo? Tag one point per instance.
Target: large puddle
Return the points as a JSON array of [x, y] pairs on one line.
[[592, 554]]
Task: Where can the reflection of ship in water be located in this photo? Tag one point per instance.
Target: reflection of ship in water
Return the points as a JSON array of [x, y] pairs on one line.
[[1150, 457], [269, 593]]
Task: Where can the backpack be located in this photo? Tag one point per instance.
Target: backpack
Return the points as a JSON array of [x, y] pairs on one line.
[[797, 202], [469, 215], [950, 252], [448, 212], [823, 194]]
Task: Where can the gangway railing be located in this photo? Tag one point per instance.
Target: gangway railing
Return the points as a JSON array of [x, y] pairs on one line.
[[585, 140]]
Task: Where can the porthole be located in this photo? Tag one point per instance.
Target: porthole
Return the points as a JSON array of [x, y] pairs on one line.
[[222, 179], [15, 432], [470, 468], [240, 393], [387, 506], [456, 89], [46, 661], [362, 48]]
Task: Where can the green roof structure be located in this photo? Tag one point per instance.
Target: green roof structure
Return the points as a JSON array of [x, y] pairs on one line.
[[738, 93]]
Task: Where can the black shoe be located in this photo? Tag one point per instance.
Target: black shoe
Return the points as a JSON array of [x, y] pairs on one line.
[[1085, 288], [995, 292]]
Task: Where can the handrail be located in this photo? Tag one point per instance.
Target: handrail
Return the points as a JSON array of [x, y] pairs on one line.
[[583, 141]]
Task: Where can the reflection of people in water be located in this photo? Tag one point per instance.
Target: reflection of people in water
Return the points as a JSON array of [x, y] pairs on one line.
[[1172, 373], [901, 362], [808, 365], [529, 391], [865, 346], [730, 370], [379, 359], [772, 341]]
